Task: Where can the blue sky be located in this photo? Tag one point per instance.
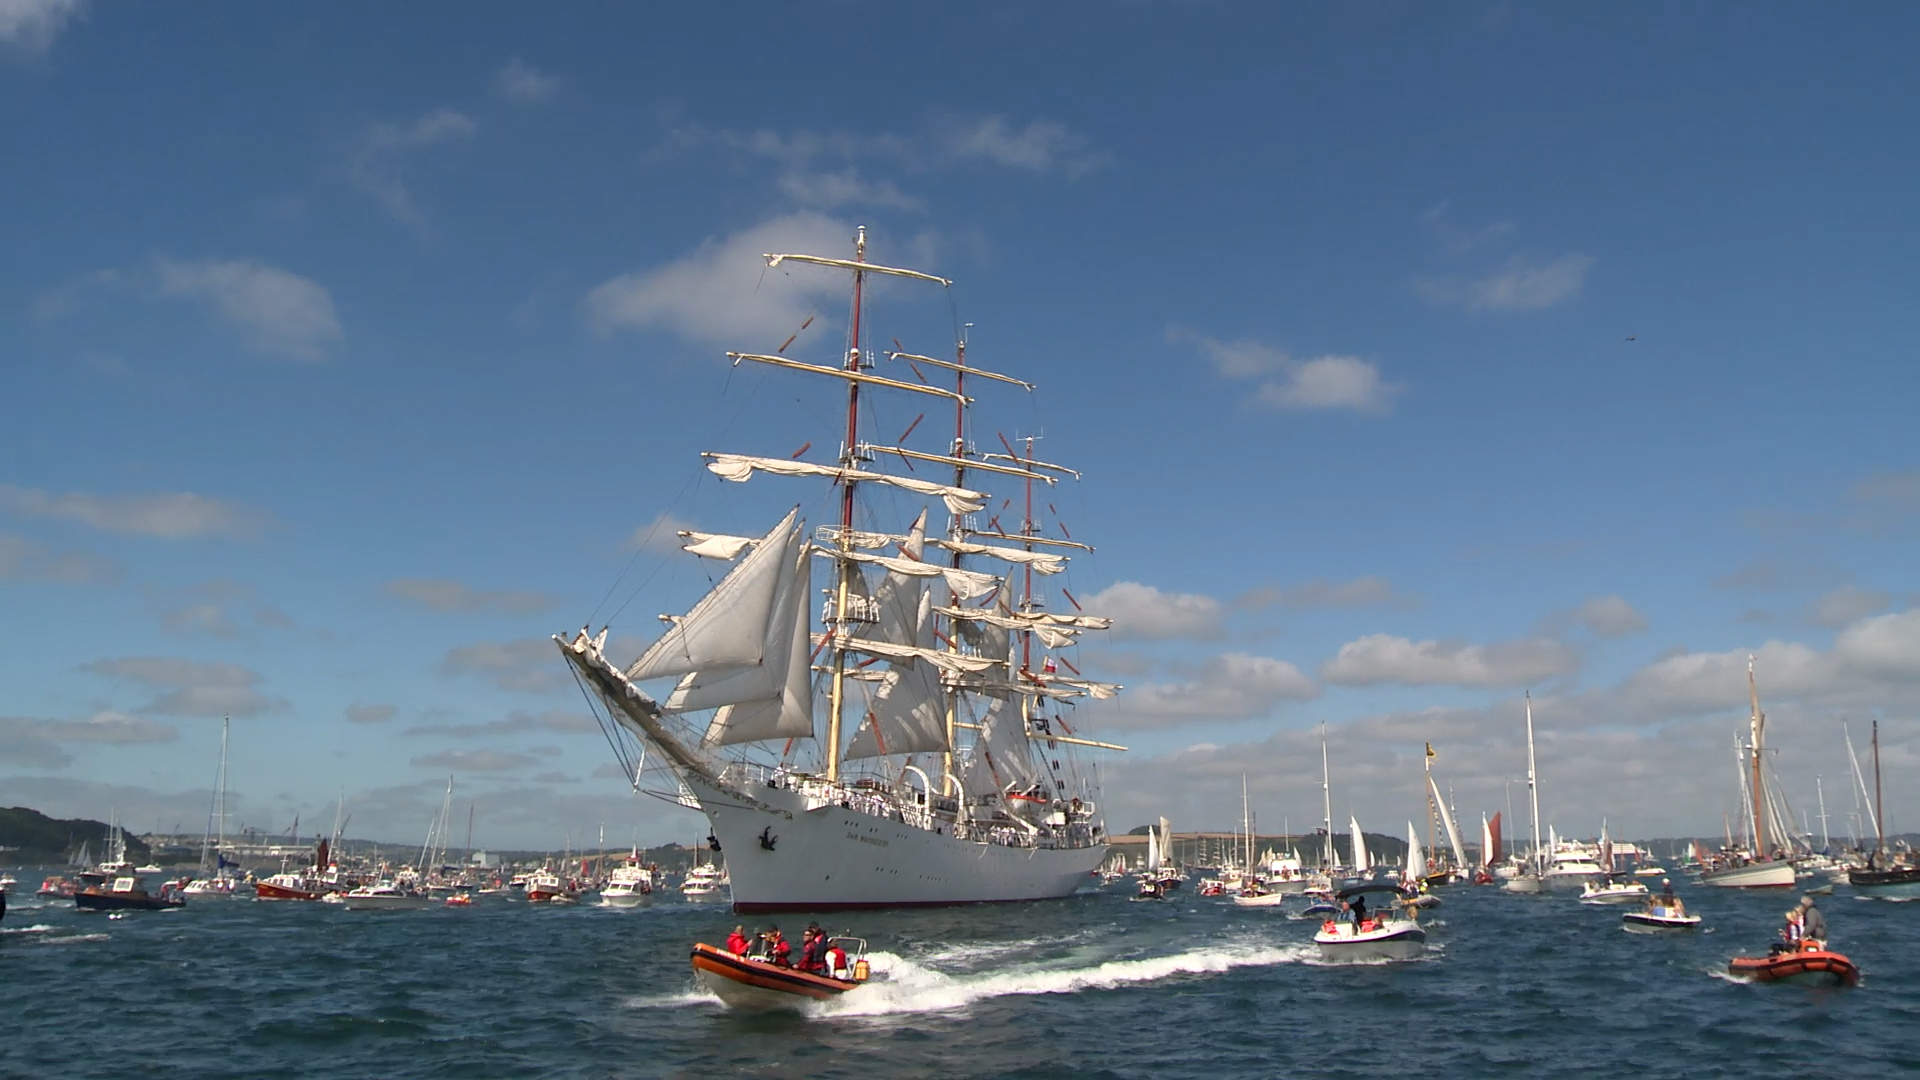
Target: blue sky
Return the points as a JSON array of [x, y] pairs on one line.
[[1415, 356]]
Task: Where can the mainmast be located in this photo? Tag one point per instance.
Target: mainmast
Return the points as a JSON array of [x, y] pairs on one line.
[[956, 533], [1431, 811], [1759, 723], [1879, 830], [1326, 792], [849, 460], [1533, 787]]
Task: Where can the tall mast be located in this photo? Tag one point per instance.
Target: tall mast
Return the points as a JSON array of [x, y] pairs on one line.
[[1431, 813], [1879, 817], [1533, 786], [955, 533], [849, 458], [1826, 841], [1326, 792], [1759, 723]]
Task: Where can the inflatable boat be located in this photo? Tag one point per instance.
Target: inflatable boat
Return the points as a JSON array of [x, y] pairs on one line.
[[750, 983]]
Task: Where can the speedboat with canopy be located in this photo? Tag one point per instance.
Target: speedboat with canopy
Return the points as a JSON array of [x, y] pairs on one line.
[[1390, 932]]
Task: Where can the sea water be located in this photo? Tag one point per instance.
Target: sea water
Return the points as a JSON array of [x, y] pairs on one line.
[[1098, 985]]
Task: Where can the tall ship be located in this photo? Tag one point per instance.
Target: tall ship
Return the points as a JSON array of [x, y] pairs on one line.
[[912, 738], [1758, 867]]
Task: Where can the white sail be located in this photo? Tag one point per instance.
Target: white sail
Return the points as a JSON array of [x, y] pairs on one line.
[[1361, 864], [908, 715], [763, 681], [1488, 857], [786, 711], [1153, 849], [1416, 856], [1041, 561], [966, 584], [1001, 760], [1166, 841], [1446, 818], [899, 601], [741, 467], [715, 545], [728, 627]]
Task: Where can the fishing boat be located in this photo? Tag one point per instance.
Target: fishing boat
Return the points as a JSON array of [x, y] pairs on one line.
[[1529, 880], [754, 984], [304, 885], [1805, 967], [1390, 933], [1754, 868], [928, 666], [126, 893]]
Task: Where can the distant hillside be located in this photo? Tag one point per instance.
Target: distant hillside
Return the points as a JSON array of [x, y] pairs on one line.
[[29, 837]]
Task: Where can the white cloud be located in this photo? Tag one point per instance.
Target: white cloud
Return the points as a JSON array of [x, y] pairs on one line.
[[23, 560], [376, 166], [831, 190], [1383, 658], [1523, 285], [1847, 604], [1144, 613], [222, 609], [1369, 591], [1041, 146], [31, 25], [660, 534], [189, 687], [370, 714], [170, 515], [1872, 662], [1324, 382], [529, 665], [104, 728], [439, 594], [516, 81], [1608, 617], [1233, 686], [476, 760], [276, 311], [716, 293]]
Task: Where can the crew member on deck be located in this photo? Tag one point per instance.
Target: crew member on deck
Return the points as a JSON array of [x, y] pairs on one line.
[[778, 946], [737, 941], [1813, 925], [1358, 909]]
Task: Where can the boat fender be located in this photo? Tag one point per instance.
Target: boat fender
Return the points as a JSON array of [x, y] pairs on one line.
[[861, 971]]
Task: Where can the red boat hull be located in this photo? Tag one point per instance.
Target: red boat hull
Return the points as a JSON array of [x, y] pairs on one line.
[[1812, 968], [264, 891]]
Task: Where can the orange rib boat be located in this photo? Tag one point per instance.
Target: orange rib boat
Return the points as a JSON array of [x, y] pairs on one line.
[[743, 983], [1809, 967]]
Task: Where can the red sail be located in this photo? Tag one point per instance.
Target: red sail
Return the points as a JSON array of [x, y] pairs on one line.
[[1493, 830]]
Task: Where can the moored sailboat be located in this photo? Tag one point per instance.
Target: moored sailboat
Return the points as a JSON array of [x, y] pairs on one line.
[[1008, 817], [1755, 868]]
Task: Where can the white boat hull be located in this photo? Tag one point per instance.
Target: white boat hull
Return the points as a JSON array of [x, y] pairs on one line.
[[387, 903], [1764, 875], [832, 858], [1523, 883], [1272, 899], [622, 899], [1396, 941], [1646, 922]]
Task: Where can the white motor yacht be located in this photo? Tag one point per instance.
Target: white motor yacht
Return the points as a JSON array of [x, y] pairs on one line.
[[1391, 932], [628, 886], [704, 883], [383, 896]]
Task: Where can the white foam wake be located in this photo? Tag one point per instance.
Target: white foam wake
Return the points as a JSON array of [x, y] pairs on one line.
[[910, 987], [672, 1001], [37, 928]]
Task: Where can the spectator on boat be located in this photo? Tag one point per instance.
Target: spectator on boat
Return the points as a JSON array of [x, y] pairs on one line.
[[813, 952], [1358, 910], [1813, 925], [779, 947], [737, 941], [1666, 892]]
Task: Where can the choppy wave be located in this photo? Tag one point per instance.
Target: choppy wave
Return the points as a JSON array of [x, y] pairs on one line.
[[37, 928], [911, 987]]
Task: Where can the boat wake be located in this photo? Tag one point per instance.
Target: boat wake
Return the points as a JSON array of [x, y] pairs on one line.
[[37, 928], [671, 1001], [911, 987]]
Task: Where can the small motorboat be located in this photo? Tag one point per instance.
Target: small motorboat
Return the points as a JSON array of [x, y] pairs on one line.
[[1659, 918], [1256, 896], [1649, 871], [127, 894], [1806, 967], [1321, 907], [1614, 892], [1388, 934], [751, 983], [1151, 889]]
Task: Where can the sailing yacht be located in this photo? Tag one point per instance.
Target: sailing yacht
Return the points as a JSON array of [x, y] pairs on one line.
[[1529, 880], [219, 875], [1754, 868], [945, 773]]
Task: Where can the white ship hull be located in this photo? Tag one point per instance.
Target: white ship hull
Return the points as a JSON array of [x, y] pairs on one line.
[[1763, 875], [832, 858]]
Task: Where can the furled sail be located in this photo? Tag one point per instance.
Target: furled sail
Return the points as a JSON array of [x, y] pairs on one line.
[[715, 545], [1041, 561], [1361, 864], [965, 584], [739, 468], [728, 627]]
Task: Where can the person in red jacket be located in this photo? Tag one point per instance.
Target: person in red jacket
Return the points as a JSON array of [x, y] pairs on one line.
[[778, 946], [737, 941]]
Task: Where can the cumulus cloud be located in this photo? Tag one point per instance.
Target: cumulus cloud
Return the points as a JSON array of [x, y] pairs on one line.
[[476, 760], [276, 311], [23, 560], [169, 515], [370, 714], [1282, 382], [1144, 613], [440, 594], [1369, 591], [517, 722], [30, 26], [1384, 658], [1522, 285], [1606, 617], [1846, 604], [1233, 686], [660, 534], [715, 294], [832, 190], [529, 665], [222, 609], [1040, 146], [188, 687], [386, 153], [1871, 661], [517, 81]]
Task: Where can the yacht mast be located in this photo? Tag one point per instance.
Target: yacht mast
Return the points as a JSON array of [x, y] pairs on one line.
[[1880, 830], [1759, 723], [1826, 841], [1326, 792], [849, 459], [1533, 787]]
